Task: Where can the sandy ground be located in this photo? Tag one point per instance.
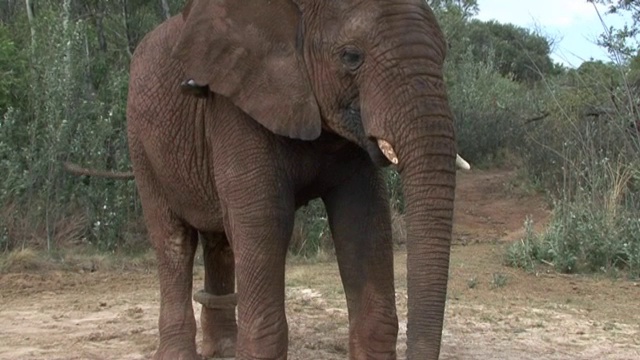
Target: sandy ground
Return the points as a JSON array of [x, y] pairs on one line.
[[493, 311]]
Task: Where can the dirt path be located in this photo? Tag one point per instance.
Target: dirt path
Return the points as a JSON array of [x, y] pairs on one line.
[[493, 312]]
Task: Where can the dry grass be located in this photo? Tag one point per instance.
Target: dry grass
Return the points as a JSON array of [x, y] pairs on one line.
[[32, 246], [83, 259], [90, 260], [70, 230], [25, 260], [25, 231], [620, 175]]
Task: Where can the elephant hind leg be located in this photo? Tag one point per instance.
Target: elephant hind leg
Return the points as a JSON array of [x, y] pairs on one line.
[[175, 243], [175, 250], [218, 321]]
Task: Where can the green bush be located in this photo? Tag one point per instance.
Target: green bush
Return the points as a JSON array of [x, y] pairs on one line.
[[589, 123], [62, 116], [490, 110], [311, 235], [596, 230], [586, 155], [12, 70]]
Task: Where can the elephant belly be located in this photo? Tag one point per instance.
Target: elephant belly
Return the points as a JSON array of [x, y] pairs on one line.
[[194, 200], [201, 212]]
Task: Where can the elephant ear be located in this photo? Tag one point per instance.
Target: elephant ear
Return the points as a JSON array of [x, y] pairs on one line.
[[246, 51]]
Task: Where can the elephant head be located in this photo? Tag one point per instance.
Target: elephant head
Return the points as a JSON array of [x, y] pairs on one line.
[[370, 71]]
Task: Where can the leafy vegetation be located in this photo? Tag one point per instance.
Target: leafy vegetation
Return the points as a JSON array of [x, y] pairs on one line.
[[518, 53], [63, 86], [572, 132]]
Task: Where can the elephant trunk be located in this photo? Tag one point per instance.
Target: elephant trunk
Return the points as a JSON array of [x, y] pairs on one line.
[[417, 134], [428, 179]]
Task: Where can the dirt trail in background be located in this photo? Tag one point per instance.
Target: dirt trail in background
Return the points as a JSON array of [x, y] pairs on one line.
[[493, 312]]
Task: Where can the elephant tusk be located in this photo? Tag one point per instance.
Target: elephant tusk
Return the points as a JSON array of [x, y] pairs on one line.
[[462, 163], [388, 151]]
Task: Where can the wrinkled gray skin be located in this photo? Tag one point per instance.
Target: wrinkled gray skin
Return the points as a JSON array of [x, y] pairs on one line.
[[241, 111]]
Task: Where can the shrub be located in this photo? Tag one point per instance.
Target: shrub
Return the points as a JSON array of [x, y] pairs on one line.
[[490, 110], [591, 232], [586, 155], [63, 114], [311, 234]]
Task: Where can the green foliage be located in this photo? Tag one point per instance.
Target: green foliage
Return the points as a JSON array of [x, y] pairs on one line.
[[63, 97], [583, 238], [621, 41], [311, 235], [517, 52], [491, 73], [498, 280], [394, 186], [63, 87], [490, 110], [528, 251], [465, 8], [590, 117], [12, 69], [586, 154]]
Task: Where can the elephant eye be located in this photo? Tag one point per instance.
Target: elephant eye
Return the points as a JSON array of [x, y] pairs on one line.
[[352, 58]]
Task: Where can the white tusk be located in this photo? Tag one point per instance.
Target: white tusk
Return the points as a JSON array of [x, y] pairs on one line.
[[462, 163], [388, 151]]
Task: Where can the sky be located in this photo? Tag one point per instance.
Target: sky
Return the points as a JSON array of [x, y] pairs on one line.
[[574, 24]]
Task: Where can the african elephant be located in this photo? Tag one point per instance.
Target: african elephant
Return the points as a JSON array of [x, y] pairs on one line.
[[239, 112]]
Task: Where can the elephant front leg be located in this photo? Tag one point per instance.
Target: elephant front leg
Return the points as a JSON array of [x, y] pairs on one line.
[[261, 234], [218, 299], [359, 218]]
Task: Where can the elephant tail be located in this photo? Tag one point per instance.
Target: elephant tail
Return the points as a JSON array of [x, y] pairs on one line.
[[78, 170]]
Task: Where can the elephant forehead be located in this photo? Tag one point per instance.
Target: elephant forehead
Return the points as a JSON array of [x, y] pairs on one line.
[[360, 21]]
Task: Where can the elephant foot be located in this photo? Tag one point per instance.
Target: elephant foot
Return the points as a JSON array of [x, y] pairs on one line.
[[222, 348], [219, 327], [219, 333], [175, 354]]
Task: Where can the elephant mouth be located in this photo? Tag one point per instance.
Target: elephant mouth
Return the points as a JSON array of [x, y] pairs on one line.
[[353, 119], [376, 154]]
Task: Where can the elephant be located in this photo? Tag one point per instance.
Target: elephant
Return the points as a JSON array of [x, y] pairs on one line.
[[240, 112]]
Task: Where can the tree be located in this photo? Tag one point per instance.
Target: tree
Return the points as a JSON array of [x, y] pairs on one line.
[[465, 8], [12, 68], [453, 16], [63, 87], [515, 51], [623, 41]]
